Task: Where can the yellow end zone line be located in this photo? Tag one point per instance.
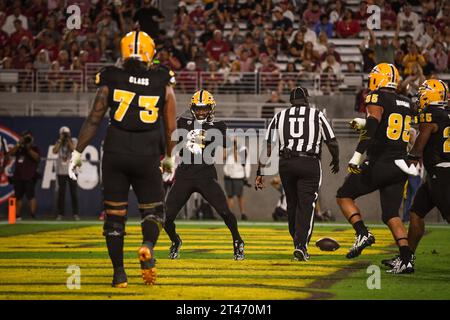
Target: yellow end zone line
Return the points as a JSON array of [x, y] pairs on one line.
[[218, 223]]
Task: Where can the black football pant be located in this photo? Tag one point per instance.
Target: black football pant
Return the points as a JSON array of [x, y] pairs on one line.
[[210, 189], [301, 178]]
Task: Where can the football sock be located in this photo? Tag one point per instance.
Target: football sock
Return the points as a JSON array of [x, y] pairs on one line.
[[150, 231], [231, 223], [169, 227], [360, 228], [405, 252], [115, 250]]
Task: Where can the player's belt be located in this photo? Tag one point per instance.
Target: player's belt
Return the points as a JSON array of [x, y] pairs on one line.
[[443, 165], [287, 154]]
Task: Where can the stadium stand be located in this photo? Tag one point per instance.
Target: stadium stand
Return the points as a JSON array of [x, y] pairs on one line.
[[228, 47]]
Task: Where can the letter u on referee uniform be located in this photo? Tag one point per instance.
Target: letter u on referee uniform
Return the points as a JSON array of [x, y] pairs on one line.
[[300, 131]]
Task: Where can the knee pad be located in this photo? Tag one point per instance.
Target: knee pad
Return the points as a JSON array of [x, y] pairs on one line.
[[388, 216], [114, 226], [153, 212]]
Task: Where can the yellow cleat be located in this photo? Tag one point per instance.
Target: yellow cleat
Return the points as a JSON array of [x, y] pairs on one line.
[[147, 260]]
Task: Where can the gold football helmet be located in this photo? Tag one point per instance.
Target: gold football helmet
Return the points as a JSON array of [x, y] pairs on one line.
[[203, 106], [432, 92], [138, 45], [384, 75]]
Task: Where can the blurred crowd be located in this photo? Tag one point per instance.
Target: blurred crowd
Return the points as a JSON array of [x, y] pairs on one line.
[[229, 36]]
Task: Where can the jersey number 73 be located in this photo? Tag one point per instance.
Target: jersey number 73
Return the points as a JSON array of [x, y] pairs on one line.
[[148, 103]]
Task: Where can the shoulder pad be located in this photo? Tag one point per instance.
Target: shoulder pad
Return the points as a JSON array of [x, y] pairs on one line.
[[429, 115], [105, 75], [167, 74]]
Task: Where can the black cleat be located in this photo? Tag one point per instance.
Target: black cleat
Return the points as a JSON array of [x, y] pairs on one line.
[[301, 253], [403, 266], [238, 246], [175, 249], [361, 242], [390, 263], [120, 278]]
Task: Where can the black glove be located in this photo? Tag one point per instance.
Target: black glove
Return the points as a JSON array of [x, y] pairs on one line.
[[334, 164]]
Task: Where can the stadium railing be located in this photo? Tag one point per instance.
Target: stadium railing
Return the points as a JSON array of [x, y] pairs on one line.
[[190, 81]]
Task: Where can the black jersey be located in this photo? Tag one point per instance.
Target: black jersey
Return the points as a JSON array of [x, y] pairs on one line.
[[136, 100], [392, 136], [437, 149], [198, 143]]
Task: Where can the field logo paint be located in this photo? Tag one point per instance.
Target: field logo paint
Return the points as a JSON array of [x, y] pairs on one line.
[[374, 280], [11, 138], [374, 21], [74, 20], [74, 280]]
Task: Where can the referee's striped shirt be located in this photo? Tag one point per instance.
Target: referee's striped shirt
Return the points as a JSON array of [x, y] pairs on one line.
[[301, 129]]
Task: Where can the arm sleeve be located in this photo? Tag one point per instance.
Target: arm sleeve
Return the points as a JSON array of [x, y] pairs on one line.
[[325, 127], [272, 129]]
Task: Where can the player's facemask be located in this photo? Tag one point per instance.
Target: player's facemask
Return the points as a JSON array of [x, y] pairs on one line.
[[202, 106], [432, 92]]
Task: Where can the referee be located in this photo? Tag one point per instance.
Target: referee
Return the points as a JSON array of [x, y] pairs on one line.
[[300, 131]]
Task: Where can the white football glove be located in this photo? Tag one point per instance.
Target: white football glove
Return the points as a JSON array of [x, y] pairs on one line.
[[358, 124], [74, 165]]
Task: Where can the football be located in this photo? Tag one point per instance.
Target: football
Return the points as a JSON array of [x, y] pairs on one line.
[[327, 244]]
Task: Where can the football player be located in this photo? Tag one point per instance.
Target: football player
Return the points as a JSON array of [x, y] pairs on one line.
[[384, 135], [432, 146], [196, 172], [139, 95]]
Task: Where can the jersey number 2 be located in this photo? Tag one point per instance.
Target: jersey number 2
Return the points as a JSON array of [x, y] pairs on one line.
[[398, 127], [148, 115]]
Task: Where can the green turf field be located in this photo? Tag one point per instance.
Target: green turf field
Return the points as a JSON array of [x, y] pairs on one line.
[[34, 260]]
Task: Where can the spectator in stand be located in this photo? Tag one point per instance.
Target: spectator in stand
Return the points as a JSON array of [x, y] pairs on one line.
[[181, 18], [411, 58], [208, 34], [269, 46], [407, 42], [297, 45], [280, 20], [235, 38], [8, 26], [398, 61], [348, 27], [19, 34], [439, 58], [42, 61], [216, 46], [270, 73], [362, 15], [410, 86], [212, 79], [197, 18], [388, 17], [331, 62], [312, 14], [275, 101], [443, 17], [224, 63], [233, 78], [331, 50], [288, 78], [308, 56], [324, 26], [149, 18], [338, 12], [385, 50], [4, 37], [407, 19], [108, 34], [308, 34], [425, 39], [23, 56], [166, 58], [351, 67], [63, 60], [321, 44], [246, 61], [249, 45], [281, 41], [328, 80]]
